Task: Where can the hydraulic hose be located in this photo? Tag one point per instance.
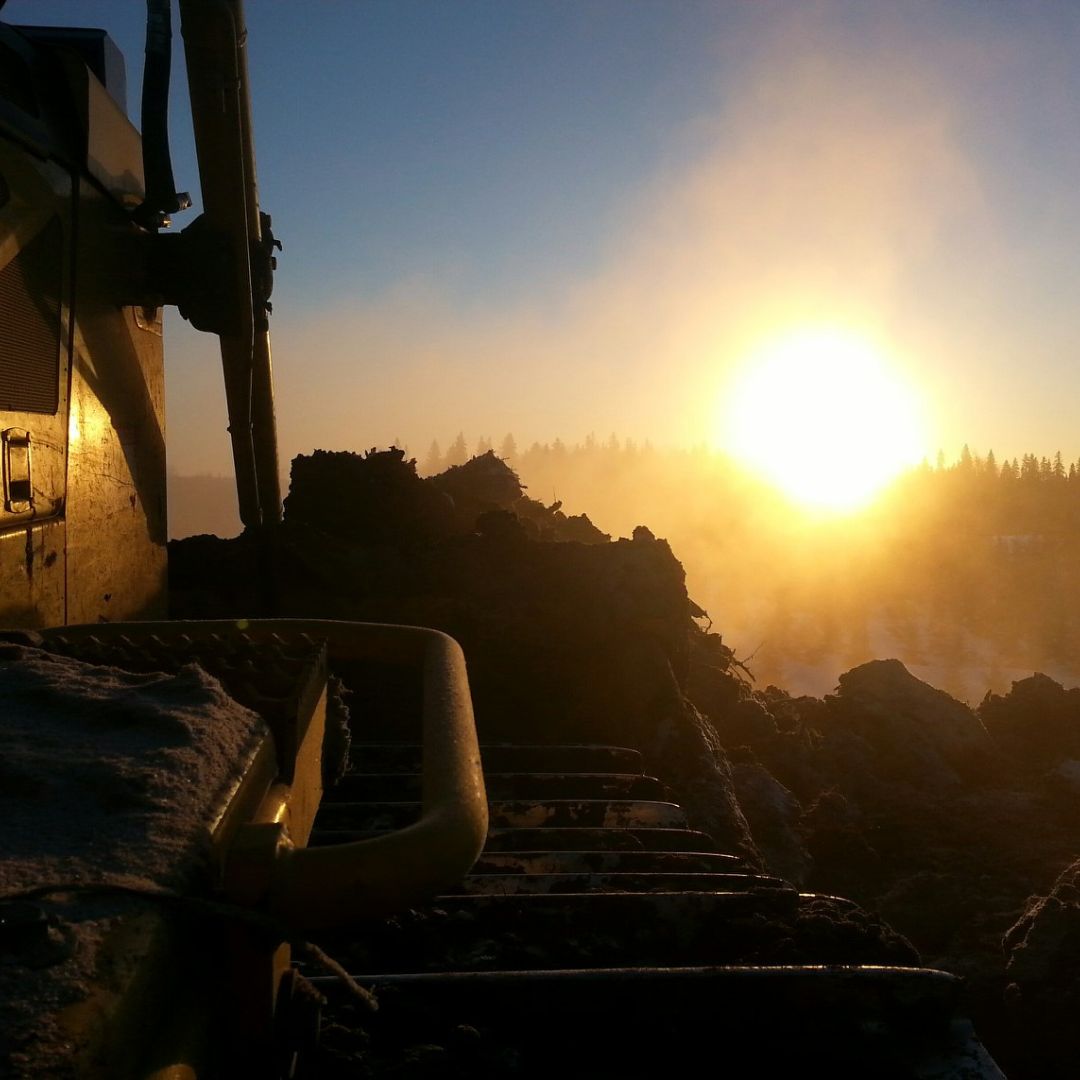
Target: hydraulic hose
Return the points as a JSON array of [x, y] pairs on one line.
[[162, 198]]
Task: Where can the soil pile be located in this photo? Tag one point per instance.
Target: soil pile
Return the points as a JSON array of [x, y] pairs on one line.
[[944, 819], [566, 639], [1043, 973]]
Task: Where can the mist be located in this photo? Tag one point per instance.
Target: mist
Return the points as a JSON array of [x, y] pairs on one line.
[[829, 186], [964, 570]]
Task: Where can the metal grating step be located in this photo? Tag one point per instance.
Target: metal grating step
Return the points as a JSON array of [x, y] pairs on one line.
[[511, 841], [391, 787], [583, 839], [522, 814], [506, 884], [886, 1023], [503, 757], [610, 862], [599, 936], [600, 929], [586, 814]]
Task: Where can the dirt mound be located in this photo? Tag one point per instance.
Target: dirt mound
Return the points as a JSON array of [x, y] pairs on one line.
[[374, 498], [1037, 723], [486, 482], [485, 486], [899, 797], [1043, 970], [914, 733], [566, 640], [888, 791], [378, 499]]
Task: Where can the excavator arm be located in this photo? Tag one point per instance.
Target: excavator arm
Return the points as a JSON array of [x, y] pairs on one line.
[[215, 44], [197, 982], [219, 270]]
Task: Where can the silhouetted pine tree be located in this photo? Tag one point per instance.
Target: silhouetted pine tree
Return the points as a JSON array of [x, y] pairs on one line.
[[508, 451], [433, 463], [457, 453]]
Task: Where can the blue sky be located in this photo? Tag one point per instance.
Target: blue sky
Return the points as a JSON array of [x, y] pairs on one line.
[[568, 216], [485, 140]]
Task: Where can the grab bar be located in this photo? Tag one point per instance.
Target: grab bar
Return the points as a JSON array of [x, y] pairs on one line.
[[318, 888]]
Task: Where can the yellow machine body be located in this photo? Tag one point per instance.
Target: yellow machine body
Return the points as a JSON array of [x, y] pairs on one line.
[[82, 420], [84, 274]]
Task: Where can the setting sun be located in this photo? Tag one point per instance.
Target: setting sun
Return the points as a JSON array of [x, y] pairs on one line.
[[823, 416]]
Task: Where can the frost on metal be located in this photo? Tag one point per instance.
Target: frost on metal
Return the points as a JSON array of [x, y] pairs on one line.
[[106, 777]]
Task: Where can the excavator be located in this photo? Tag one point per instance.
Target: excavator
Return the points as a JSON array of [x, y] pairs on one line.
[[86, 268], [581, 925]]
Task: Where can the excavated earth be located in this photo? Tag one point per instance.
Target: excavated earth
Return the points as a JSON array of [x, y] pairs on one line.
[[954, 828]]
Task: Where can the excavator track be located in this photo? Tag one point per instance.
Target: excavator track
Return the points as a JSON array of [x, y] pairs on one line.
[[600, 935]]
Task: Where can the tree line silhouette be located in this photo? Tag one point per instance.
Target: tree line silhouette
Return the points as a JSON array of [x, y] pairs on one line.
[[1023, 496], [968, 570]]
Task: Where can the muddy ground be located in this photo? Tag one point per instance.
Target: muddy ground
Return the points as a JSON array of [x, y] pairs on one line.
[[960, 826]]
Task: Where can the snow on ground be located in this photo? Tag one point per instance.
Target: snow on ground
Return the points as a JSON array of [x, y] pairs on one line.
[[981, 668]]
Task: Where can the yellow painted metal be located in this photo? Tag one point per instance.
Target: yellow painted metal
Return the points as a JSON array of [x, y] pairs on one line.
[[263, 421], [145, 978], [333, 886], [115, 511], [113, 144], [33, 538], [179, 995], [98, 462], [312, 888], [228, 969], [32, 574]]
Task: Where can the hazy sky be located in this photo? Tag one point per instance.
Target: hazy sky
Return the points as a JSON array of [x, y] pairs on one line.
[[568, 216]]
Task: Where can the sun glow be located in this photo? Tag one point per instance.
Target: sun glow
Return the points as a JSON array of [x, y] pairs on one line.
[[823, 416]]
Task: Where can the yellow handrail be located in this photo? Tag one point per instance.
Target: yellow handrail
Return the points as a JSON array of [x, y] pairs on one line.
[[312, 888], [334, 885]]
